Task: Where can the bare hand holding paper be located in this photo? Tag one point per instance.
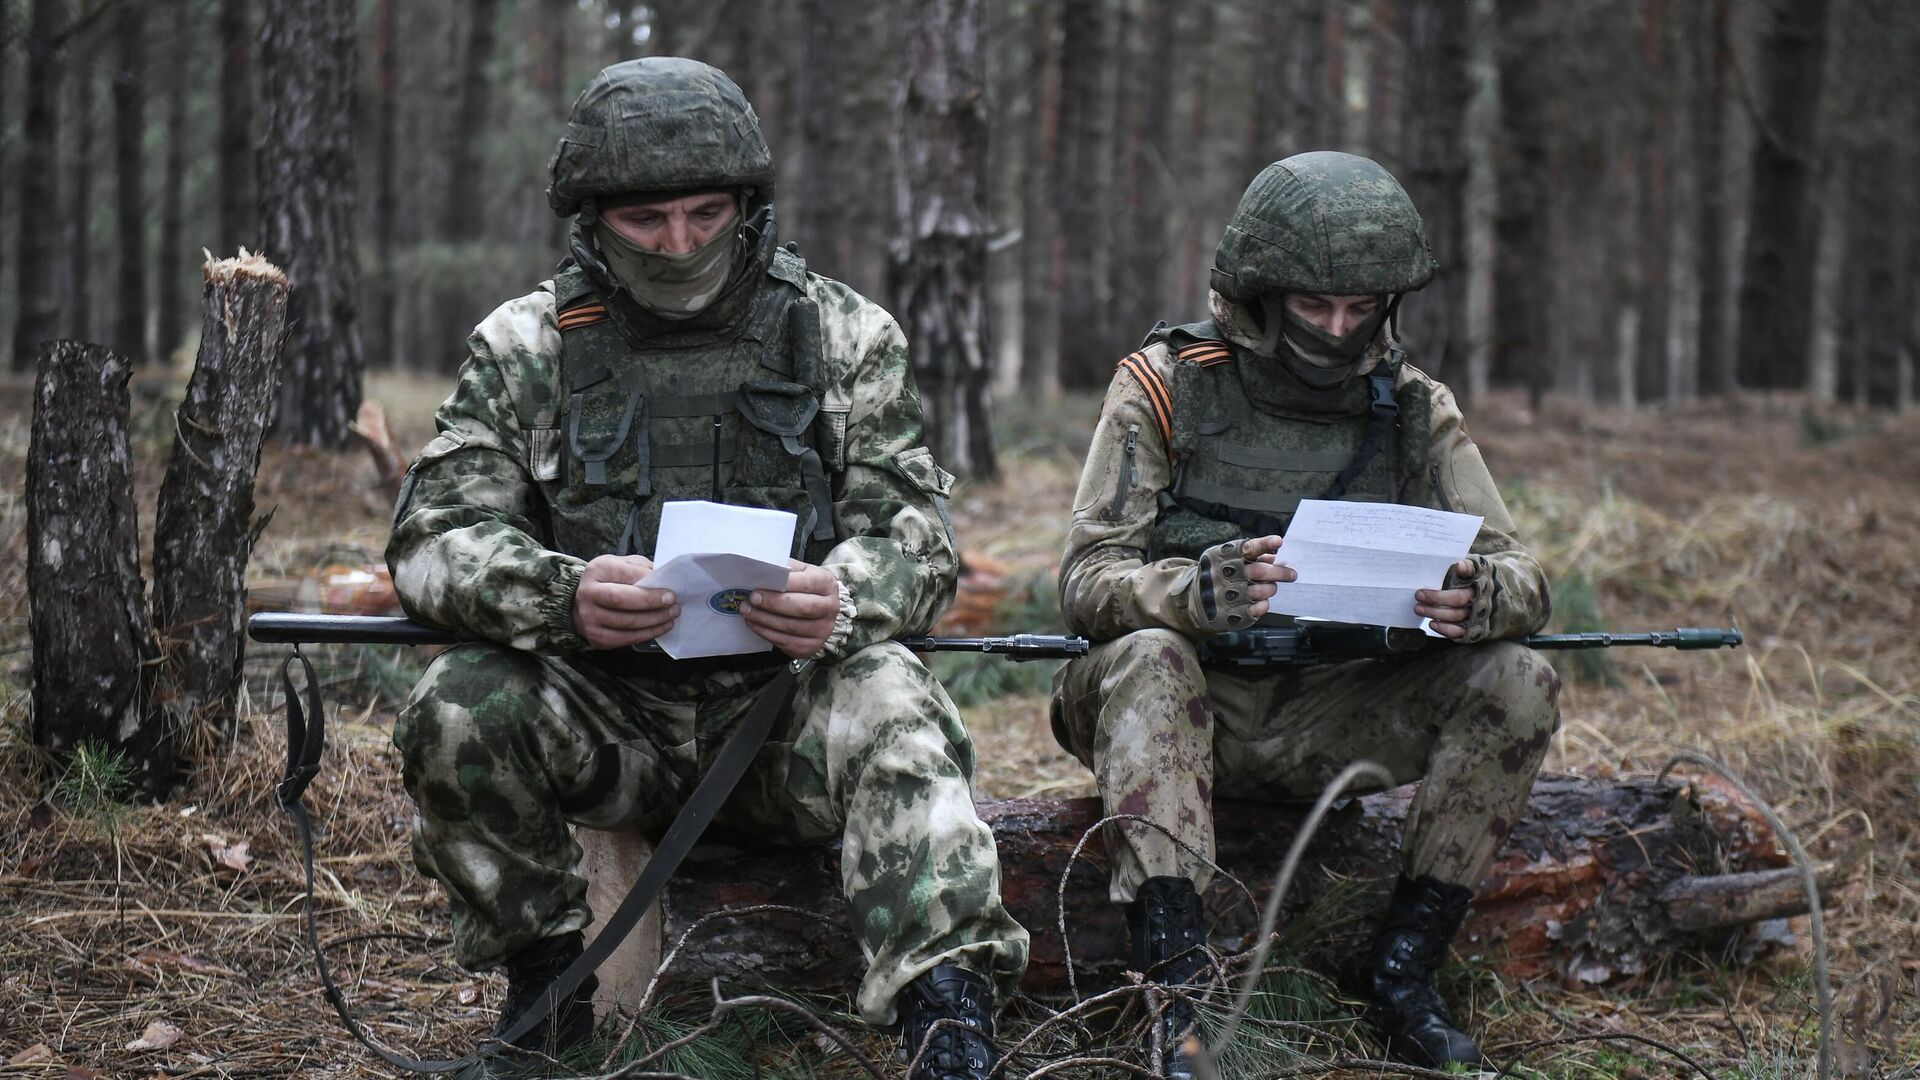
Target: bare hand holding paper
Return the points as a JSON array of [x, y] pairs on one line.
[[1362, 562]]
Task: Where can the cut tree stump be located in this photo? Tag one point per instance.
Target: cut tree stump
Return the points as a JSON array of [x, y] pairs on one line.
[[1602, 879], [204, 527], [93, 647]]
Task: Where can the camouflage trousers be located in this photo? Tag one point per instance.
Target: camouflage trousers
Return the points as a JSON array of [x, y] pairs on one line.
[[1163, 736], [503, 749]]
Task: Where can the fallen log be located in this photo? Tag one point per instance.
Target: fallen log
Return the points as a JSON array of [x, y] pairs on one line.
[[1601, 880]]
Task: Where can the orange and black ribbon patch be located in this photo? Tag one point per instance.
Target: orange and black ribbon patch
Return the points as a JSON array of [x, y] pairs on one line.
[[584, 315], [1156, 389], [1205, 353]]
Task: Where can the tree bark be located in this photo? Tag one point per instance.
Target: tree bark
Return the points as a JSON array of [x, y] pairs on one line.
[[383, 347], [463, 221], [818, 185], [237, 139], [1316, 118], [130, 296], [1716, 375], [1521, 296], [1140, 255], [939, 269], [307, 213], [1601, 879], [37, 306], [1040, 254], [93, 648], [80, 316], [1434, 128], [166, 276], [204, 527], [1654, 284], [1776, 288], [1088, 347]]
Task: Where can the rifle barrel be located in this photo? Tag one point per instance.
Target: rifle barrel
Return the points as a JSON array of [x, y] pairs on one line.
[[1687, 637], [292, 627]]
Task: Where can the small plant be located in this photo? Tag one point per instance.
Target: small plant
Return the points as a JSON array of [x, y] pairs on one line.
[[98, 782]]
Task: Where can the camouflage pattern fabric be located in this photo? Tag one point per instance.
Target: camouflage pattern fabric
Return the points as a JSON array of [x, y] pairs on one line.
[[1162, 736], [1108, 587], [1322, 222], [503, 748], [507, 742], [659, 123], [471, 550], [1165, 737]]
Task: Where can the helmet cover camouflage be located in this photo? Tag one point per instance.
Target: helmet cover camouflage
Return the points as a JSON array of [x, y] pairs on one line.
[[1322, 222], [658, 124]]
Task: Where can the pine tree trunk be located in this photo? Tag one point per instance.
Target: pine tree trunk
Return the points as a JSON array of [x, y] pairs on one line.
[[237, 137], [1776, 287], [306, 210], [1088, 346], [166, 276], [1715, 359], [938, 279], [464, 220], [1436, 177], [93, 649], [1140, 251], [130, 296], [1654, 285], [1520, 353], [37, 306], [78, 299], [816, 217], [382, 348], [204, 527], [1040, 255]]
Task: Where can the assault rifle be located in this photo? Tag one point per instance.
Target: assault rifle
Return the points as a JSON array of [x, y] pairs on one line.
[[290, 627], [1305, 643], [1330, 643]]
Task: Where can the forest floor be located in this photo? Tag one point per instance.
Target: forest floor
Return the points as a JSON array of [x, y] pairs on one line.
[[166, 940]]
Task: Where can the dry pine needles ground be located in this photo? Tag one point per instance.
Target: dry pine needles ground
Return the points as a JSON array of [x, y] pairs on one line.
[[174, 929]]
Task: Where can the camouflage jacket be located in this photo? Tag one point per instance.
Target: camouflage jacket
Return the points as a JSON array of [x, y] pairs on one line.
[[467, 547], [1108, 588]]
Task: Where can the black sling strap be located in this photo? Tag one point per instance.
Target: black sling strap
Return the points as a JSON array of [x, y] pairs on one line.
[[306, 738]]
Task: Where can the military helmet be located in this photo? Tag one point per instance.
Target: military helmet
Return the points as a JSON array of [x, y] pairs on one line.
[[1322, 222], [663, 124]]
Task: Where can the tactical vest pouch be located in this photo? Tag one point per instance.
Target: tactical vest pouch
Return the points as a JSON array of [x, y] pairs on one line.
[[786, 411], [599, 423]]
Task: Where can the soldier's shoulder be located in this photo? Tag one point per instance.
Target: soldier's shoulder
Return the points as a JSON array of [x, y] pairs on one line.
[[849, 322], [523, 327]]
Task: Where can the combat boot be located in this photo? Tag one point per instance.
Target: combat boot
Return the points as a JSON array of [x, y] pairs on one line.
[[960, 1050], [1163, 921], [566, 1027], [1422, 918]]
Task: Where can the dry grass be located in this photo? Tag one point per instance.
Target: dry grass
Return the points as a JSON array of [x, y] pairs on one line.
[[1801, 528]]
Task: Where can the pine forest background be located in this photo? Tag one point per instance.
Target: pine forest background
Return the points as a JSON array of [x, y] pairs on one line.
[[1633, 201]]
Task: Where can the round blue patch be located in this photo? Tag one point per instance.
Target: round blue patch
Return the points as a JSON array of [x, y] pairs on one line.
[[728, 601]]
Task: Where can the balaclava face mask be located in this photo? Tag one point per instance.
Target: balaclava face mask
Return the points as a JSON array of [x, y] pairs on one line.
[[1320, 360], [671, 286]]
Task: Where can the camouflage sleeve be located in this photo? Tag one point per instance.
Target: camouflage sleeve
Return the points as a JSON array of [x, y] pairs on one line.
[[1107, 587], [896, 561], [1510, 595], [466, 550]]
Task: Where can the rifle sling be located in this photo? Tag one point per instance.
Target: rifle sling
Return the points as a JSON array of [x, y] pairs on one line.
[[304, 744]]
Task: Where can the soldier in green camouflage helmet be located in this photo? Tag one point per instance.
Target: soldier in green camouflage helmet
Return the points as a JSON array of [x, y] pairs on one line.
[[681, 354], [1295, 387]]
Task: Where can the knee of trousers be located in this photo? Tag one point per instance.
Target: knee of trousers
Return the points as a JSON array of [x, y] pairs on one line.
[[1165, 657], [889, 703], [1515, 690], [476, 692]]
